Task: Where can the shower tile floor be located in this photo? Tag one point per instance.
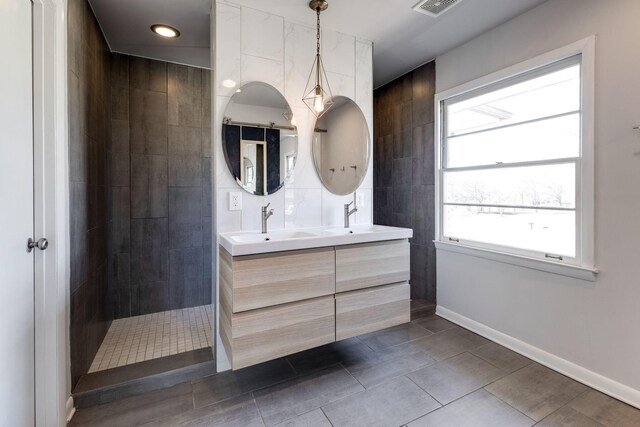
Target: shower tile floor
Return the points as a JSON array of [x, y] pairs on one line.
[[151, 336]]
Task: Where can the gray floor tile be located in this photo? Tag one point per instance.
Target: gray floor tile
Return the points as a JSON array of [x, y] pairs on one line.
[[137, 410], [502, 357], [386, 366], [394, 336], [568, 417], [448, 343], [453, 378], [477, 409], [536, 391], [234, 383], [314, 418], [300, 395], [390, 404], [351, 349], [434, 323], [606, 410], [240, 411]]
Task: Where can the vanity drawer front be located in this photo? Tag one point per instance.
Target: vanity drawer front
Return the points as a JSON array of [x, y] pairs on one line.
[[269, 333], [369, 310], [270, 279], [371, 264]]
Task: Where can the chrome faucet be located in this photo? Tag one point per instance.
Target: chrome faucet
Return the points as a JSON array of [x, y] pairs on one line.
[[348, 212], [265, 216]]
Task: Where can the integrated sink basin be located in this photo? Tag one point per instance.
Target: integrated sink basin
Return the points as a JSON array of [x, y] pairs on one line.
[[249, 243], [271, 236], [356, 229]]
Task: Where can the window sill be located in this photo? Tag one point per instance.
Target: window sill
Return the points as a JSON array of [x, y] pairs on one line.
[[578, 272]]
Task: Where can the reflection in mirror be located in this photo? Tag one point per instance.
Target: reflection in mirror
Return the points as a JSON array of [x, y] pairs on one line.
[[259, 138], [341, 147]]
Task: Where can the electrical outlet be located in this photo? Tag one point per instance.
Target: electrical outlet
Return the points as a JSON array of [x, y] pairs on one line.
[[235, 201], [359, 200]]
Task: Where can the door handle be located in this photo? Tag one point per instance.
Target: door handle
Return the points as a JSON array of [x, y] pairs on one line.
[[41, 244]]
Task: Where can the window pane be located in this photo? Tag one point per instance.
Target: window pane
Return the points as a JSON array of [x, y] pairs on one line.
[[543, 140], [544, 186], [551, 94], [529, 229]]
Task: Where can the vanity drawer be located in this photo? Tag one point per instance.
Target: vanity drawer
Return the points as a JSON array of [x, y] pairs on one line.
[[372, 264], [264, 280], [259, 335], [369, 310]]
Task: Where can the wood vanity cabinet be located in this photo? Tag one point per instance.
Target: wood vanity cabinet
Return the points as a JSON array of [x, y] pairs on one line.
[[275, 304], [369, 310], [259, 335], [371, 264], [264, 280]]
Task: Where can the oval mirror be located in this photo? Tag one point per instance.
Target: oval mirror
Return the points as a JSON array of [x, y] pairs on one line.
[[259, 138], [341, 147]]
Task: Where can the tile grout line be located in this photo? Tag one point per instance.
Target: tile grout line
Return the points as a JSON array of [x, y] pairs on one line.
[[566, 405], [507, 403], [255, 402]]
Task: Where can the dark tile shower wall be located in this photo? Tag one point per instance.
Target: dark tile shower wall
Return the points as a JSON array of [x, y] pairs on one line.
[[404, 168], [88, 77], [160, 186]]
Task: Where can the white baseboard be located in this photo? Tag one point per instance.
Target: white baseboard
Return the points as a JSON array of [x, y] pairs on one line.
[[70, 408], [592, 379]]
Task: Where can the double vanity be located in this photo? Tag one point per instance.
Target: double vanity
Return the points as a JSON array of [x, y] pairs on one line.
[[290, 290], [285, 291]]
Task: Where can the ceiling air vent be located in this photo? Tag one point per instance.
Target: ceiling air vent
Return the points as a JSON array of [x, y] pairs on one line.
[[434, 7]]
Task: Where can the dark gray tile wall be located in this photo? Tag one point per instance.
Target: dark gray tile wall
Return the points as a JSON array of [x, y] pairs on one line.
[[88, 74], [403, 168], [160, 185]]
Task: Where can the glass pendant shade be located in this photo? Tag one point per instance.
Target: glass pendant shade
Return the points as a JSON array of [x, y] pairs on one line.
[[318, 96]]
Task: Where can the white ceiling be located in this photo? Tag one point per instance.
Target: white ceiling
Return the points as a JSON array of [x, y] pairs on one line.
[[126, 26], [403, 39]]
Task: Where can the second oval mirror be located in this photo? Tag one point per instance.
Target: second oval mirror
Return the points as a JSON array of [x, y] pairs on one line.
[[259, 138], [341, 147]]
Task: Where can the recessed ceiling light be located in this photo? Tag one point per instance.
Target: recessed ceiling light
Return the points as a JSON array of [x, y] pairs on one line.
[[165, 31], [229, 83]]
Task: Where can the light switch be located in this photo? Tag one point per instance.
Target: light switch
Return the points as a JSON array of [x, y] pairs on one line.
[[235, 201]]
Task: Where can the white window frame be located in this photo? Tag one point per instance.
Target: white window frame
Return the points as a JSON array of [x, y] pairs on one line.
[[583, 265]]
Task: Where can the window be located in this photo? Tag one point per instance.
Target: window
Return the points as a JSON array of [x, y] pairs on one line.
[[511, 164]]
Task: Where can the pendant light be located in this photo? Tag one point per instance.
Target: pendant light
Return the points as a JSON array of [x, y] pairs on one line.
[[318, 96]]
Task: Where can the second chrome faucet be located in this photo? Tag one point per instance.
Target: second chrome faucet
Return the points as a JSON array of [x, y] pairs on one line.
[[266, 213], [348, 212]]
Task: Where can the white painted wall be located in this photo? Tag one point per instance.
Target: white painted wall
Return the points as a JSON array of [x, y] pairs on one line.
[[592, 326], [252, 45]]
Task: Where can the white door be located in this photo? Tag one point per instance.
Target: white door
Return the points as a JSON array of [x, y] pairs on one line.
[[16, 216]]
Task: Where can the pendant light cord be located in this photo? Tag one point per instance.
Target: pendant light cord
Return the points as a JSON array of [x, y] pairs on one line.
[[318, 47]]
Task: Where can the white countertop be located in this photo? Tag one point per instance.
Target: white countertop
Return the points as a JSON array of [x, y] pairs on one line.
[[253, 242]]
